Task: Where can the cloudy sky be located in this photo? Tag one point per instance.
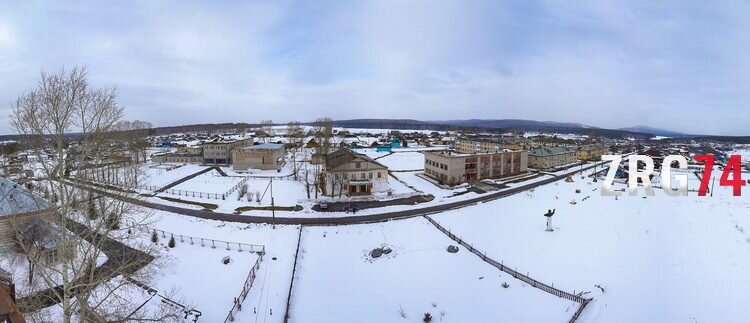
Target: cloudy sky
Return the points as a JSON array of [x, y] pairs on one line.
[[681, 66]]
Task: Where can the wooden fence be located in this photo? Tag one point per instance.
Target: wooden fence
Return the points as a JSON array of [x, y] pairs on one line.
[[513, 272], [237, 306]]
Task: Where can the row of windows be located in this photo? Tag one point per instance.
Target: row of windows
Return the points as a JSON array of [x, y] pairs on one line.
[[434, 173], [436, 164], [361, 176]]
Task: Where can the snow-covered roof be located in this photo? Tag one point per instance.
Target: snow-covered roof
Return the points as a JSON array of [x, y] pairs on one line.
[[265, 146], [14, 199]]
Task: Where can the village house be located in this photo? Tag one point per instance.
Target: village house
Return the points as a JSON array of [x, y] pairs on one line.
[[263, 156], [353, 174], [551, 157], [17, 207], [452, 168]]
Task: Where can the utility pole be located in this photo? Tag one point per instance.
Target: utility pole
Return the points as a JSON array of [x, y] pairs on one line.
[[273, 208]]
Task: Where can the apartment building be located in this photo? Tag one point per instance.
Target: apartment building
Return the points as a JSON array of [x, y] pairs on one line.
[[453, 168], [591, 152], [219, 152], [477, 145], [551, 157], [489, 145], [263, 156]]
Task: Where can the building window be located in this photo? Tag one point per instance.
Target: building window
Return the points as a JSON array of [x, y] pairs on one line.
[[50, 257], [358, 164], [362, 175], [369, 175], [379, 176]]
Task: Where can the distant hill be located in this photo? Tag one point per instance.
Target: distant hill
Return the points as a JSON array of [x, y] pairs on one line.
[[516, 124], [489, 125], [655, 131]]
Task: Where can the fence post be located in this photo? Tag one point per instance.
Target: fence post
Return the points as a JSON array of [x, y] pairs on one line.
[[213, 244]]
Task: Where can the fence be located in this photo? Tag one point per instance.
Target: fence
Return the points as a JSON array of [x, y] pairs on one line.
[[213, 243], [525, 278], [245, 290], [215, 196], [236, 187]]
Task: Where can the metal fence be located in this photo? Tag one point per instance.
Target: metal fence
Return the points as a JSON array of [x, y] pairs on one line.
[[513, 272], [237, 306], [237, 186], [215, 196], [204, 242]]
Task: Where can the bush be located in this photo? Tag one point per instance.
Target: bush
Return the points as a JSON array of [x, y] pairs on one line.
[[505, 285], [154, 237], [171, 243], [113, 221], [427, 318]]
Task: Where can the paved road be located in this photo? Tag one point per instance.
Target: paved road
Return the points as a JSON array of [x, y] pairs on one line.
[[354, 219]]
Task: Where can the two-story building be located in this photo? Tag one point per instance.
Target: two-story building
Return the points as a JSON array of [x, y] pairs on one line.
[[551, 157], [453, 168], [219, 152], [353, 174], [263, 156], [591, 152]]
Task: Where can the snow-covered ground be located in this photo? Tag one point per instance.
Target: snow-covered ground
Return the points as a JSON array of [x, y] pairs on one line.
[[337, 280], [211, 286], [197, 276], [210, 182], [410, 160], [658, 259], [157, 175]]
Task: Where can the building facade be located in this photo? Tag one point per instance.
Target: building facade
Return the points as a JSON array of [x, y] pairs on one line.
[[352, 174], [220, 152], [591, 152], [476, 146], [450, 168], [551, 157], [263, 156], [177, 158]]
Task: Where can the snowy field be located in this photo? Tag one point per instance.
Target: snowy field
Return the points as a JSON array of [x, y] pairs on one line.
[[337, 280], [657, 259], [424, 186], [211, 286], [199, 279], [210, 182], [410, 160], [158, 176]]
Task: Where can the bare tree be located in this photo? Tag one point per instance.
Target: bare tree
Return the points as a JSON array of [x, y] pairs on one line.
[[323, 131], [296, 137], [267, 127], [63, 106], [241, 191]]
